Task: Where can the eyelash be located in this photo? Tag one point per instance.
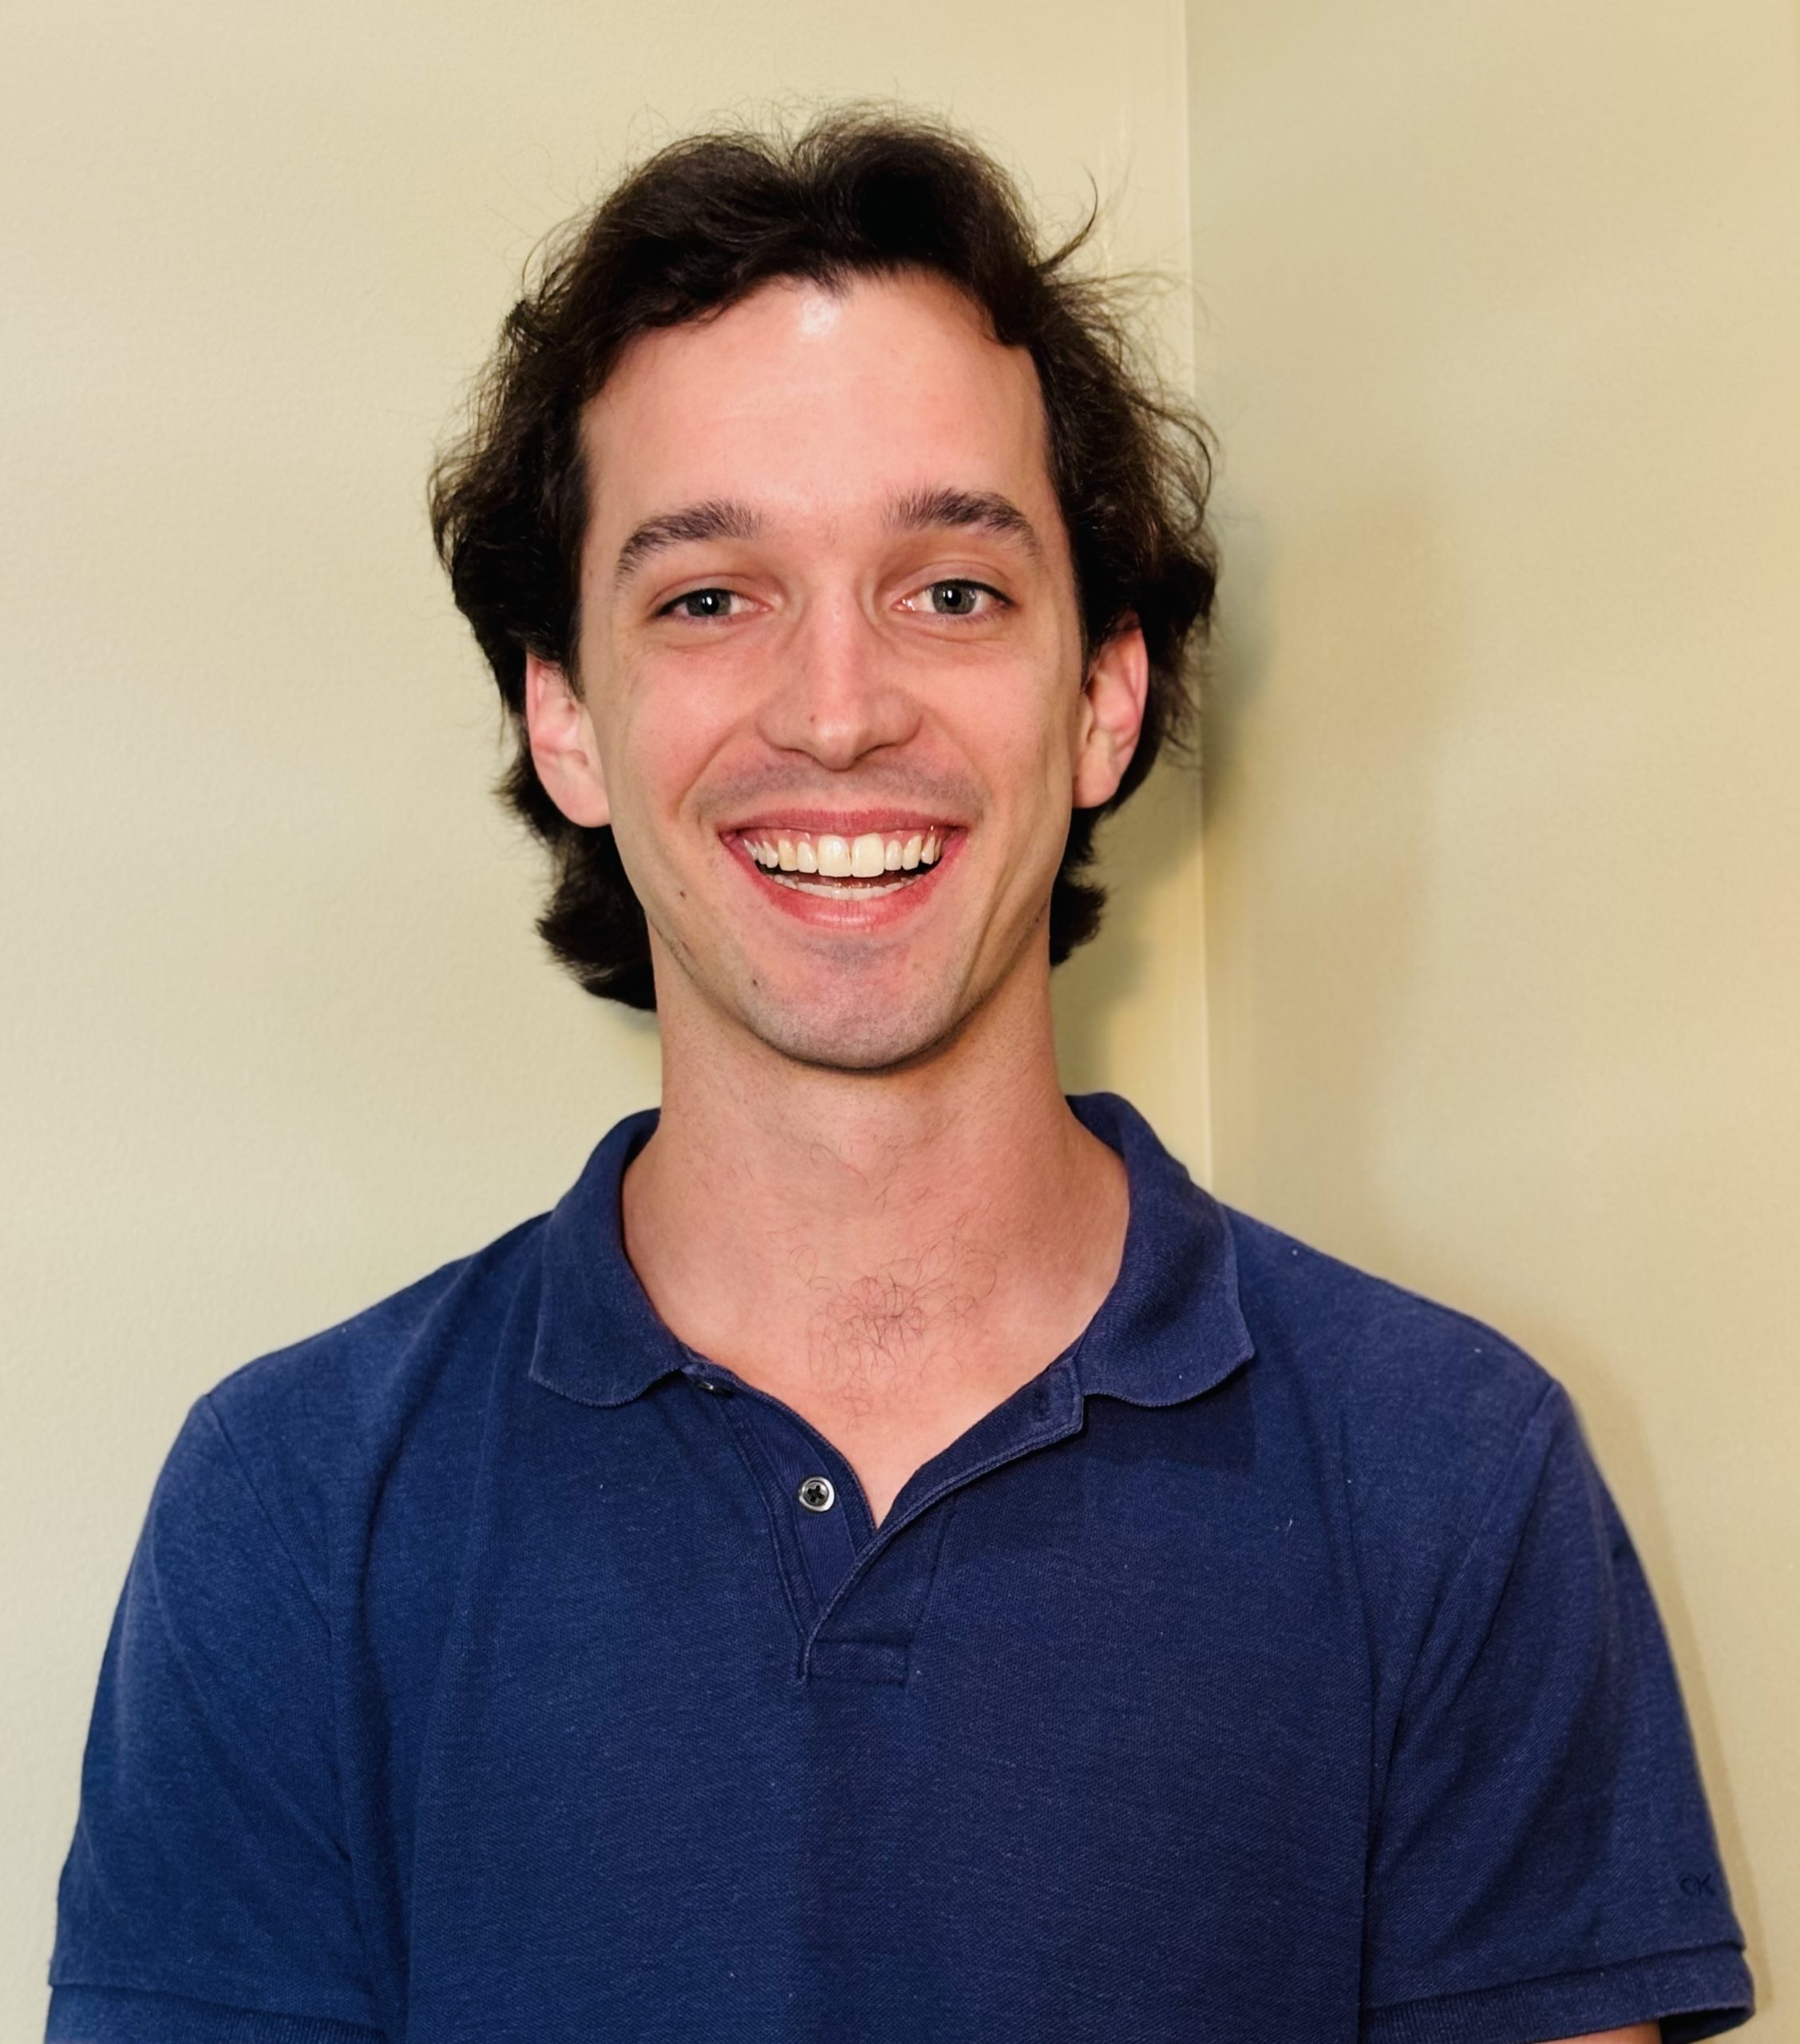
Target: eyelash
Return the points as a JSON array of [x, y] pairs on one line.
[[673, 608], [965, 582]]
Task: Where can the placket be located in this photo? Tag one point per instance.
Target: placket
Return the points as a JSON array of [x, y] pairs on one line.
[[862, 1629]]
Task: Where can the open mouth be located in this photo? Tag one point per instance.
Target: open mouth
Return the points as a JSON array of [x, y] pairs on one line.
[[823, 862]]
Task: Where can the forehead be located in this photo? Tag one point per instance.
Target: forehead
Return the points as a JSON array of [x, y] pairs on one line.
[[815, 404]]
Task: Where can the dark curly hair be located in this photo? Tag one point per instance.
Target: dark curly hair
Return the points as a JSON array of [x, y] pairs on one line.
[[700, 225]]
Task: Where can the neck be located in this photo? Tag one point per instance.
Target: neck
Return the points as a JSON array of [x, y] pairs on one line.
[[860, 1243]]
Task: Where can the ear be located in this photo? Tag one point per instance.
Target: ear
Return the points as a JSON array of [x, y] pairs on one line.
[[1112, 714], [564, 750]]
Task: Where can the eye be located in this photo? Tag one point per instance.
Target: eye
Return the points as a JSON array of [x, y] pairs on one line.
[[700, 603], [959, 596]]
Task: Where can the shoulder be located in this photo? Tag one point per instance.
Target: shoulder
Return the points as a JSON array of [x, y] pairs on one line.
[[1434, 1426], [1422, 1374], [235, 1715], [346, 1373], [305, 1425]]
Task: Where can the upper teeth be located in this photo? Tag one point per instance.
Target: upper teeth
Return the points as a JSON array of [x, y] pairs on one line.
[[843, 858]]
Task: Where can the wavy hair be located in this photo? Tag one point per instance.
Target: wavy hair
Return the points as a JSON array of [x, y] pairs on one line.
[[699, 226]]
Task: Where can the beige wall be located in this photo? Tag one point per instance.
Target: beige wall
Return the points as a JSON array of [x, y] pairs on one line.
[[276, 1036], [1500, 313], [1502, 335]]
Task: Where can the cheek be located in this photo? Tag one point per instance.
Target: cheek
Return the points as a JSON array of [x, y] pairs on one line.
[[656, 740], [1042, 733], [1024, 749]]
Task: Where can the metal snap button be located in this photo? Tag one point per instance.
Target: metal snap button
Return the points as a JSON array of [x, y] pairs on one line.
[[817, 1494]]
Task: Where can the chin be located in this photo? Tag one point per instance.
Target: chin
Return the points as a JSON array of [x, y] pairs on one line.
[[851, 1038]]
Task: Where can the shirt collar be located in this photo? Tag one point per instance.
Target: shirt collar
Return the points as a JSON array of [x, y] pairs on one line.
[[1169, 1328]]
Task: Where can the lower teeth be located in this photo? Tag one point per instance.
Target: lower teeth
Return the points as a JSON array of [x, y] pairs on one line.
[[839, 888]]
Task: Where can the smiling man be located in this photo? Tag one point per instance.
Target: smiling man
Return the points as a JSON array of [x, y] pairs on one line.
[[888, 1557]]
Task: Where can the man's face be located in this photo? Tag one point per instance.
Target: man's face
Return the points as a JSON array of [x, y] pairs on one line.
[[832, 698]]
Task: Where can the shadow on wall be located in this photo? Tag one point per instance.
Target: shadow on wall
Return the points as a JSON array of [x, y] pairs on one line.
[[1331, 703], [1320, 736], [1143, 850]]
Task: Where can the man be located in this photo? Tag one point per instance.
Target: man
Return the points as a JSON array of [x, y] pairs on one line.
[[888, 1557]]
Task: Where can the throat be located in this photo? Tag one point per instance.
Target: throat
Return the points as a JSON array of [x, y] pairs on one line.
[[891, 1338], [888, 1263]]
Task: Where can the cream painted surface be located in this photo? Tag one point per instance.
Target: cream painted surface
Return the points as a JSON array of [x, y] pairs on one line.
[[277, 1035], [1502, 336]]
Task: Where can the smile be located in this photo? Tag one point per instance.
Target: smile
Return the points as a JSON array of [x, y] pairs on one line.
[[822, 862]]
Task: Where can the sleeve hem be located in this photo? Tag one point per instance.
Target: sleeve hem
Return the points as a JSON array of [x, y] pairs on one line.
[[121, 2015], [1696, 1994]]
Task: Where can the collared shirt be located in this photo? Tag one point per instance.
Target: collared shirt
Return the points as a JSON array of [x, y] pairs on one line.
[[1272, 1665]]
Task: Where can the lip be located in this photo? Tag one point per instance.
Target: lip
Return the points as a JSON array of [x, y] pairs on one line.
[[869, 913], [843, 823]]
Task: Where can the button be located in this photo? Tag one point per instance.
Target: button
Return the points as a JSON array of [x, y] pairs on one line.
[[817, 1494], [717, 1385]]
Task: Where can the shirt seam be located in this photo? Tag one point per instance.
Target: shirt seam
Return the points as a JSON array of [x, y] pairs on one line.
[[1528, 1429], [249, 1483], [948, 1513], [1551, 1393], [242, 1996], [345, 1831], [1054, 1435], [1524, 1981], [745, 1439]]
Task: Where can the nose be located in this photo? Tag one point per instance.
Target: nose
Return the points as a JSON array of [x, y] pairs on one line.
[[842, 694]]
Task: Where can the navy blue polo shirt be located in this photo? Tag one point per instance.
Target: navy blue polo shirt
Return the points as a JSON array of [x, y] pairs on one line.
[[1273, 1666]]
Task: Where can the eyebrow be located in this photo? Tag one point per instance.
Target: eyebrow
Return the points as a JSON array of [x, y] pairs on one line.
[[916, 510], [717, 519], [919, 510]]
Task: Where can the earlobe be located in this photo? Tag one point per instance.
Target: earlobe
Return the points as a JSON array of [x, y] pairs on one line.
[[1112, 714], [564, 747]]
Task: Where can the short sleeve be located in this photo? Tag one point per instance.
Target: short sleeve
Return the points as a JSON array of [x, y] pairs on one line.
[[1544, 1864], [209, 1893]]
